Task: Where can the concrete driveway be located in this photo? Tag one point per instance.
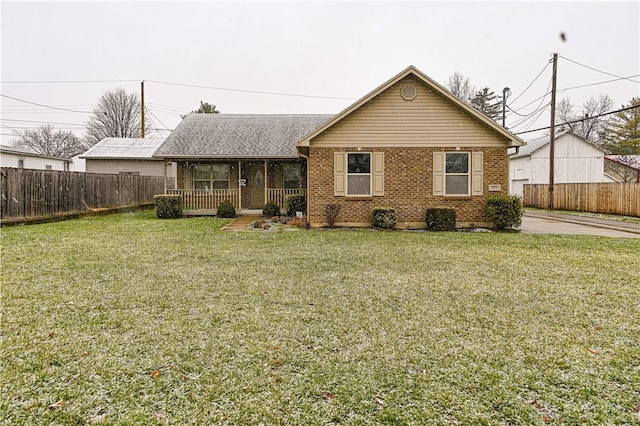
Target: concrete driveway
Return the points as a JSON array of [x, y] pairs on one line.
[[542, 222]]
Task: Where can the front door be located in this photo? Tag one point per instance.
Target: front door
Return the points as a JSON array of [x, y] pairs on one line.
[[253, 192]]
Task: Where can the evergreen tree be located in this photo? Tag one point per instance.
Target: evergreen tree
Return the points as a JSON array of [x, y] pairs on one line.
[[204, 108], [622, 135], [485, 102]]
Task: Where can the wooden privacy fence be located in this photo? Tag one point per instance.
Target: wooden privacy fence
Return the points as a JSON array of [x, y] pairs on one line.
[[608, 198], [28, 193]]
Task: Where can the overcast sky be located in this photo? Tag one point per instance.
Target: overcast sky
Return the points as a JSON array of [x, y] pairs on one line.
[[66, 54]]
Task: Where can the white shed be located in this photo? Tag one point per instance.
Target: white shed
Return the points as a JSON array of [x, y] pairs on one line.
[[128, 155], [575, 161], [23, 158]]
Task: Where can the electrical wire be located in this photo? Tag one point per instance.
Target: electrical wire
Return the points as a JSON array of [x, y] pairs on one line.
[[600, 71], [42, 122], [64, 81], [249, 91], [42, 105], [534, 80], [580, 119]]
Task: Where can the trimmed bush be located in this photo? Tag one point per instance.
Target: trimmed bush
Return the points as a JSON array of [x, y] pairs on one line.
[[296, 203], [505, 211], [441, 219], [168, 206], [383, 217], [226, 210], [271, 209], [332, 211]]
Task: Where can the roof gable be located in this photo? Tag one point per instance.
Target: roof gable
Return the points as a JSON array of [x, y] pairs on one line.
[[239, 135], [535, 145], [479, 119]]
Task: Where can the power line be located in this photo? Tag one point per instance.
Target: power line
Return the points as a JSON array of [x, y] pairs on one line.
[[43, 122], [580, 119], [601, 82], [600, 71], [45, 106], [64, 81], [250, 91], [534, 80]]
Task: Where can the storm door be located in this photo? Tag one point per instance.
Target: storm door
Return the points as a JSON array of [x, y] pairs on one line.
[[253, 192]]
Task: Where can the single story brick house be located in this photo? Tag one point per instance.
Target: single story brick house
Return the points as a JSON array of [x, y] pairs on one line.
[[409, 144]]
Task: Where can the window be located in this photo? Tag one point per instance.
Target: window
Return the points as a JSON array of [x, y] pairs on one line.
[[221, 176], [291, 175], [457, 173], [21, 163], [359, 173], [47, 167], [211, 176]]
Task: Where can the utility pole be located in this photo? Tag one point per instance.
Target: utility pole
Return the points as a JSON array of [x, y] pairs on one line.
[[552, 136], [142, 107], [505, 92]]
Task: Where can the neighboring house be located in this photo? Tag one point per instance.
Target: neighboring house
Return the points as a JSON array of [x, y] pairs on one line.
[[23, 158], [409, 144], [128, 156], [575, 161], [623, 168]]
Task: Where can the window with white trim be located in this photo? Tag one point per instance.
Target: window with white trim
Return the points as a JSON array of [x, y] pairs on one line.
[[457, 176], [211, 176], [358, 173]]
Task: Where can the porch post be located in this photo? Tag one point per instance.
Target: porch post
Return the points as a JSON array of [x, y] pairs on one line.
[[239, 186], [266, 182], [165, 176]]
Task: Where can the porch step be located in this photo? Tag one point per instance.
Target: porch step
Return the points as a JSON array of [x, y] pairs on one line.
[[241, 222]]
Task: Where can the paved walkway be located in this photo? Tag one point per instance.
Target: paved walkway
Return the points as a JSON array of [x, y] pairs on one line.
[[241, 222], [545, 222]]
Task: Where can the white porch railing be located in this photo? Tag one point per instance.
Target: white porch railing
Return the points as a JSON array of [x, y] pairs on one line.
[[206, 199], [279, 196]]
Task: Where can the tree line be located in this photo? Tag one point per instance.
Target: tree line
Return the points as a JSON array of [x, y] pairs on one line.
[[117, 114]]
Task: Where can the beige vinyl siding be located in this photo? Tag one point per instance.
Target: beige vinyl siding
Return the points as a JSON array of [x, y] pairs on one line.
[[430, 120]]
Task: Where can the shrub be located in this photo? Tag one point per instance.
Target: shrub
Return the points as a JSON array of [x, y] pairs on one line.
[[271, 209], [505, 211], [168, 206], [441, 219], [226, 210], [332, 211], [296, 203], [383, 217]]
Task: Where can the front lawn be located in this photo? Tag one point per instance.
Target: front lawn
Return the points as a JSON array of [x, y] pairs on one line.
[[127, 319]]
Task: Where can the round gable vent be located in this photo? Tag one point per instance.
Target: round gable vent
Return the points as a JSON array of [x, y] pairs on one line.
[[408, 92]]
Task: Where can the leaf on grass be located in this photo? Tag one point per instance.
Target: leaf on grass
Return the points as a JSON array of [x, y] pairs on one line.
[[539, 405], [99, 418], [598, 327], [51, 334], [547, 419], [379, 400], [277, 362], [592, 351], [155, 374], [329, 396], [58, 405]]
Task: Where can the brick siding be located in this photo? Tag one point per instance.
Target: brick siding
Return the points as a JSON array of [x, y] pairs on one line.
[[408, 176]]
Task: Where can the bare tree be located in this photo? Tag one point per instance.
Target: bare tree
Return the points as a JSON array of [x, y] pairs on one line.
[[116, 115], [46, 140], [589, 126], [460, 86]]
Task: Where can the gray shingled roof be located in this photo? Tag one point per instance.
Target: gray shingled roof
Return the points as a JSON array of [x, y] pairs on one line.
[[239, 135], [124, 148]]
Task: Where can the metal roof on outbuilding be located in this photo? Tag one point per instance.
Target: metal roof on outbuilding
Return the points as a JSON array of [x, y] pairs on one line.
[[124, 148], [239, 135]]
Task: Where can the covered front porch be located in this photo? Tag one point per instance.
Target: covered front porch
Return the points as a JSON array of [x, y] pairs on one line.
[[247, 184]]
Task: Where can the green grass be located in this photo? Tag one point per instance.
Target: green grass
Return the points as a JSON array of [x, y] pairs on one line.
[[127, 319]]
